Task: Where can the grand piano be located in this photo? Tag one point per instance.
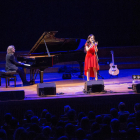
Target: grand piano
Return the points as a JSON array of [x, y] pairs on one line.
[[50, 50]]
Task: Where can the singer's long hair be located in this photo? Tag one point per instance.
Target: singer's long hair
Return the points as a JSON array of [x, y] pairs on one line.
[[88, 41]]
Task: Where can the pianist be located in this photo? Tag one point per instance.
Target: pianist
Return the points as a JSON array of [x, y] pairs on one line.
[[12, 65]]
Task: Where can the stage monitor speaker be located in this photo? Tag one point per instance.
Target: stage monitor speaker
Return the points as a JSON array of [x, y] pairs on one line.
[[136, 87], [44, 89], [12, 95], [94, 86]]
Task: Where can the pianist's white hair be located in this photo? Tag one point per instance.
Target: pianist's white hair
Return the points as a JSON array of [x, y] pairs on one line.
[[9, 49]]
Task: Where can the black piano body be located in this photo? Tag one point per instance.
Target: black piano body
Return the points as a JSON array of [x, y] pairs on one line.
[[49, 50]]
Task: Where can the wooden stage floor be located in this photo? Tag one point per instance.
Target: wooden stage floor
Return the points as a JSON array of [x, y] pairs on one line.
[[71, 88]]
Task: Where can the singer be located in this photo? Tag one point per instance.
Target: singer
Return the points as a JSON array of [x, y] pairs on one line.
[[91, 62]]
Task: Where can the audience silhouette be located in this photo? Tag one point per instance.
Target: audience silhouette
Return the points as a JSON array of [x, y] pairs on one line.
[[117, 125]]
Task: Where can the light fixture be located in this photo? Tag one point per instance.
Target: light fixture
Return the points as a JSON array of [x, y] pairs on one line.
[[138, 76], [135, 77]]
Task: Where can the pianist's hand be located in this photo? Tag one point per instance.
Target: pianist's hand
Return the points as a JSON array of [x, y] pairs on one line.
[[21, 63]]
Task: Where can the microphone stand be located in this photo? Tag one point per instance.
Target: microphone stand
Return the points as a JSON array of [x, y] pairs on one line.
[[99, 75], [98, 60]]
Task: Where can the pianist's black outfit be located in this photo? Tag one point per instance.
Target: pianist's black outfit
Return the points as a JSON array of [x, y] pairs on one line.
[[12, 65]]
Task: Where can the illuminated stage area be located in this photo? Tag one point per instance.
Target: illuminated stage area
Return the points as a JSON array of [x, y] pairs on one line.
[[71, 92], [74, 87]]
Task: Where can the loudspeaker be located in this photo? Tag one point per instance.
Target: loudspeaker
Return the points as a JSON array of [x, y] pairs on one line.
[[66, 76], [94, 86], [12, 95], [136, 87], [44, 89]]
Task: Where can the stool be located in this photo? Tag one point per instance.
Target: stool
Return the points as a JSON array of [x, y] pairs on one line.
[[7, 75]]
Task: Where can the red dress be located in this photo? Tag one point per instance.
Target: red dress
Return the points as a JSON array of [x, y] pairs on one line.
[[91, 61]]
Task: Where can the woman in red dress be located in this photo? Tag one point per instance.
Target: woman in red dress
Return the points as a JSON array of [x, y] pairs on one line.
[[91, 61]]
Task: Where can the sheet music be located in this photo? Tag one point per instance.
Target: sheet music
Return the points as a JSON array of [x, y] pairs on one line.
[[27, 64], [24, 64]]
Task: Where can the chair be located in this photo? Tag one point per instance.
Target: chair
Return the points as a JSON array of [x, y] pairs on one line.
[[8, 75]]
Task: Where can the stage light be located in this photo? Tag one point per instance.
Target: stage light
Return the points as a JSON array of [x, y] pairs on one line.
[[138, 76], [134, 77], [136, 83]]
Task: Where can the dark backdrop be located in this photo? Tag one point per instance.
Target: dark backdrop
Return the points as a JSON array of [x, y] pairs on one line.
[[113, 22]]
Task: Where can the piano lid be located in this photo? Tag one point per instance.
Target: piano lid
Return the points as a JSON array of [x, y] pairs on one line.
[[56, 44]]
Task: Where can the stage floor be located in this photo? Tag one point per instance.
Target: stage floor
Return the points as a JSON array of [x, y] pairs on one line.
[[71, 88]]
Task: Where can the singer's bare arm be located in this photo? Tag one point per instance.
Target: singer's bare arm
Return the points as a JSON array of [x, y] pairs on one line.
[[88, 48]]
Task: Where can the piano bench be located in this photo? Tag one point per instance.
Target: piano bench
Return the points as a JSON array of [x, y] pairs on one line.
[[8, 75]]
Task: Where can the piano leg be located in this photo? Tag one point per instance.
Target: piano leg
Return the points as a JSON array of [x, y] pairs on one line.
[[41, 76], [32, 80], [24, 70]]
